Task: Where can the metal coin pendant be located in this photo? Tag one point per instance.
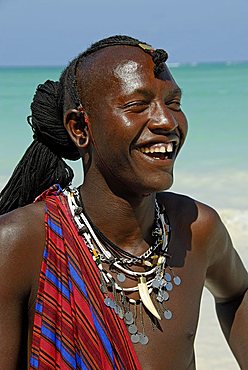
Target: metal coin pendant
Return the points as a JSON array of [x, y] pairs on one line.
[[117, 309], [112, 304], [135, 338], [177, 280], [167, 276], [128, 322], [121, 277], [169, 287], [143, 339], [168, 314], [132, 329], [165, 295], [107, 301], [128, 316], [156, 283]]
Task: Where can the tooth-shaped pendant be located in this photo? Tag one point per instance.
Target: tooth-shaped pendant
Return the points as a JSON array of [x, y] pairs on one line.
[[145, 297]]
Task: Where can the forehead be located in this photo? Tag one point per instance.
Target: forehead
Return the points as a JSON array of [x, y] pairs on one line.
[[119, 70]]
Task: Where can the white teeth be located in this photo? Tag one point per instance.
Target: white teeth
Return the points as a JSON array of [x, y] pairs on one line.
[[161, 149], [170, 148]]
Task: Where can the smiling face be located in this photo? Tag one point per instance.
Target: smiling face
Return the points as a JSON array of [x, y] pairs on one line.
[[135, 118]]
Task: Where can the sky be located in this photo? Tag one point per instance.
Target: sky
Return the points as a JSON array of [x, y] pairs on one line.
[[52, 32]]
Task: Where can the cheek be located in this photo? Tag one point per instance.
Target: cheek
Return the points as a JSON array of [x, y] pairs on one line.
[[116, 130]]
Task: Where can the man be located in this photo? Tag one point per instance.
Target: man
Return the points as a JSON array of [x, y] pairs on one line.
[[113, 277]]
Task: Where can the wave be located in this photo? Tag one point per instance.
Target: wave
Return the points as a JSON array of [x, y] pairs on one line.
[[174, 65], [226, 189], [236, 221]]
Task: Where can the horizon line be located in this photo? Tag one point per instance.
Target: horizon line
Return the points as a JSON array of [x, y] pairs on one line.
[[170, 64]]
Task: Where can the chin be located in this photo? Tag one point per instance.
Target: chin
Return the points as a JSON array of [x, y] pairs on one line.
[[159, 184]]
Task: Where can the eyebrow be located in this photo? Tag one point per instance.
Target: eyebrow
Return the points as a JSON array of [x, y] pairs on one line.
[[144, 92], [149, 94]]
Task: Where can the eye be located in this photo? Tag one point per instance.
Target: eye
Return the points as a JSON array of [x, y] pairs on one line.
[[136, 106], [174, 104]]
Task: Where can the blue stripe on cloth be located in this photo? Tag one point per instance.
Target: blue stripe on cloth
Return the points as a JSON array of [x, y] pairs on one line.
[[45, 254], [54, 227], [98, 327], [60, 347], [80, 362], [70, 285], [63, 289], [34, 362], [58, 188], [77, 279], [38, 307], [103, 336]]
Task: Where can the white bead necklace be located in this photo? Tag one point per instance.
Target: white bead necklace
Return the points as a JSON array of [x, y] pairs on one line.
[[160, 282]]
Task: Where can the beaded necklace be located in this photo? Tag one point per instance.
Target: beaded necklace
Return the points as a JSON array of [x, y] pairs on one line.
[[153, 284]]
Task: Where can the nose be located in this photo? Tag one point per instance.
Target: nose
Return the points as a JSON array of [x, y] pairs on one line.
[[162, 118]]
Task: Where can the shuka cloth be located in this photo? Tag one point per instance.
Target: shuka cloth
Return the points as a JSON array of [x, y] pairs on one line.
[[73, 329]]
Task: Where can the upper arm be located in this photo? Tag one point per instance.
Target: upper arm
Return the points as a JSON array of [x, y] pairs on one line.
[[12, 322], [17, 260], [226, 276]]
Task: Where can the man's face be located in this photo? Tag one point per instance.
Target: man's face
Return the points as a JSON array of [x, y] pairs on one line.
[[136, 121]]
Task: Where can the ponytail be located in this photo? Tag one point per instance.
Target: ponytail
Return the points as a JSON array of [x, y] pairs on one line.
[[42, 165]]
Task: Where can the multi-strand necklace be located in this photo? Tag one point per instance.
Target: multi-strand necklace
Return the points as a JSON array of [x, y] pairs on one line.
[[154, 283]]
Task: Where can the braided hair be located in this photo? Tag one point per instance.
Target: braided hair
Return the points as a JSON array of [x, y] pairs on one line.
[[42, 165]]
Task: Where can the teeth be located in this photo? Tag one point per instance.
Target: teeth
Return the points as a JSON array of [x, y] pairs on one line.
[[170, 148], [162, 149]]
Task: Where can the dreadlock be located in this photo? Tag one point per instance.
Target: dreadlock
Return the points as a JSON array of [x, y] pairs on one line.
[[42, 164]]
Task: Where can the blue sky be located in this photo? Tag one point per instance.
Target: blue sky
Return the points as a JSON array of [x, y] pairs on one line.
[[51, 32]]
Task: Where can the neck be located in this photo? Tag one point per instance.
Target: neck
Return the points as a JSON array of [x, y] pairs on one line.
[[125, 221]]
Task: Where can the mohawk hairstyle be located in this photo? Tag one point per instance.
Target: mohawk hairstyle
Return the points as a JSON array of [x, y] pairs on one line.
[[42, 164]]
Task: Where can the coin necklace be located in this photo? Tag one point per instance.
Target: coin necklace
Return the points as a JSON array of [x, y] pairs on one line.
[[157, 280]]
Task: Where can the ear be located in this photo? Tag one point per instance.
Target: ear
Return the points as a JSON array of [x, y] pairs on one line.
[[76, 124]]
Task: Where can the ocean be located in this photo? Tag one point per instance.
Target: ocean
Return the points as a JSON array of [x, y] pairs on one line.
[[212, 166]]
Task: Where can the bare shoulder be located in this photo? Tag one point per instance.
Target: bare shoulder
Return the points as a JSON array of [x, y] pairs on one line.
[[226, 276], [203, 219], [22, 237], [208, 234]]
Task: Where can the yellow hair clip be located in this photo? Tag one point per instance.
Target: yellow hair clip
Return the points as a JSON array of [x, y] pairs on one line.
[[146, 47]]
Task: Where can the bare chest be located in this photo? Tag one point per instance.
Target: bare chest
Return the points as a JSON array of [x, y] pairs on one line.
[[171, 340]]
